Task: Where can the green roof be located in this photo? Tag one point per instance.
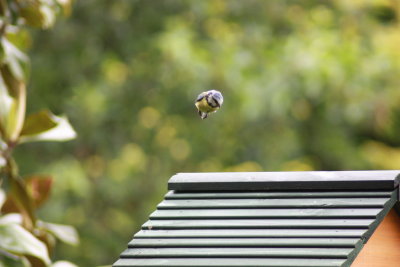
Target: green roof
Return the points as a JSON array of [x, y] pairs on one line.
[[264, 219]]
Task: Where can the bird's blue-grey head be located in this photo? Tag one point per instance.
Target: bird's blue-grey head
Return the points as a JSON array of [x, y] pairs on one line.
[[217, 96]]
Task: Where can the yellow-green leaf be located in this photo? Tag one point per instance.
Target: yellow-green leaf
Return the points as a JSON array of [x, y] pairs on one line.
[[37, 123], [3, 162], [15, 62], [64, 233], [66, 6], [8, 218], [2, 197], [39, 128], [13, 69], [12, 109], [38, 13], [16, 240], [20, 197]]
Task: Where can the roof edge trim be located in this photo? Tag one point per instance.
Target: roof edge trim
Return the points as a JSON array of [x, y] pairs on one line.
[[268, 181]]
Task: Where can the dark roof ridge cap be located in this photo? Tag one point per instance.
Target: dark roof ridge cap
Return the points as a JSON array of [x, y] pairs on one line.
[[302, 180]]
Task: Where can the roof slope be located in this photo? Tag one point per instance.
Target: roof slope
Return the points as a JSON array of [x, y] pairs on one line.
[[276, 219]]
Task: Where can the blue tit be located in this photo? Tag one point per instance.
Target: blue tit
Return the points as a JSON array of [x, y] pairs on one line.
[[208, 102]]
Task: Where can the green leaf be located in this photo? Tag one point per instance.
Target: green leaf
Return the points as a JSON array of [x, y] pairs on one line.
[[19, 200], [38, 122], [38, 13], [64, 233], [16, 240], [45, 126], [7, 103], [12, 107], [30, 11], [11, 218], [63, 264], [15, 60], [66, 6], [3, 162], [14, 69], [2, 198]]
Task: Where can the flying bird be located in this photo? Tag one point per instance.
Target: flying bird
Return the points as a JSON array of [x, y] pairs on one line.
[[208, 102]]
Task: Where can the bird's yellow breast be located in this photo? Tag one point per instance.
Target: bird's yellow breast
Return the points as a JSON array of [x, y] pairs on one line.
[[203, 106]]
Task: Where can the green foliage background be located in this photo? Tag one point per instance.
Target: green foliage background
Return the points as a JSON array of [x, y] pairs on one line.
[[308, 85]]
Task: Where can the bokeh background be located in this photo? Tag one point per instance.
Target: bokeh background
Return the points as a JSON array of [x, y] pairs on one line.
[[308, 85]]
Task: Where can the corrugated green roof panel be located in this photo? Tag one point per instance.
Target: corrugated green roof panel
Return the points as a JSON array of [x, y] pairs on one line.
[[261, 228]]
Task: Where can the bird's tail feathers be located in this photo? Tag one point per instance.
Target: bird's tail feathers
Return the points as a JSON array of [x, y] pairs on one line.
[[203, 115]]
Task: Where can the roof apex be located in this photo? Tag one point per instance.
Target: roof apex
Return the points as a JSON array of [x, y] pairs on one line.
[[265, 181]]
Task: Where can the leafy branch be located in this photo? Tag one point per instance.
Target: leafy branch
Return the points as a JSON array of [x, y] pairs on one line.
[[24, 239]]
